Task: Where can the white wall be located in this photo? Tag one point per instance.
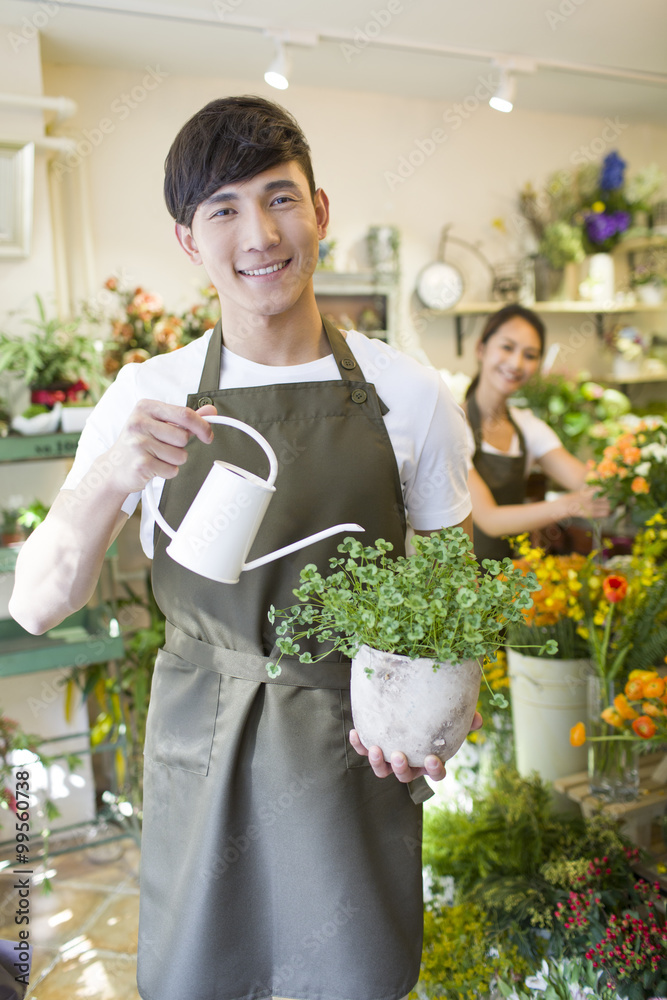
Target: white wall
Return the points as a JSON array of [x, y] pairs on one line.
[[127, 120]]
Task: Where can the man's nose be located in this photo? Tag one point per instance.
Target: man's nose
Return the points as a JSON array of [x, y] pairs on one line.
[[261, 232]]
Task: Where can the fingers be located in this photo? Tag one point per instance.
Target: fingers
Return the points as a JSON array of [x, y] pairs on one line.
[[477, 722], [433, 766]]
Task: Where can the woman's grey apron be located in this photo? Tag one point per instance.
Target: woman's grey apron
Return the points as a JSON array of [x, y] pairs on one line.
[[274, 862], [505, 475]]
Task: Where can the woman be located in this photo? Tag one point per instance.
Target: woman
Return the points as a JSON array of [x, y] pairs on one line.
[[506, 441]]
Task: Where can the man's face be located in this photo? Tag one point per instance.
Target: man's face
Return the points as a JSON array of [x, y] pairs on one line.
[[259, 240]]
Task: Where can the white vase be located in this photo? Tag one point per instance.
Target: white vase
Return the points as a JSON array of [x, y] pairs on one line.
[[651, 294], [626, 367], [414, 706], [548, 697], [601, 278]]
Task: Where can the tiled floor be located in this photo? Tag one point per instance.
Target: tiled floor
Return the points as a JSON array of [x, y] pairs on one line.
[[85, 931]]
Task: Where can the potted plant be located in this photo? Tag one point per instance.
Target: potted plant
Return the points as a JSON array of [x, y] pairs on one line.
[[649, 283], [55, 359], [417, 628], [11, 532]]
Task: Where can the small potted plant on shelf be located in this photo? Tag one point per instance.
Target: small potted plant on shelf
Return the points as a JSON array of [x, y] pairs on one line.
[[417, 628], [648, 282], [11, 531], [58, 362]]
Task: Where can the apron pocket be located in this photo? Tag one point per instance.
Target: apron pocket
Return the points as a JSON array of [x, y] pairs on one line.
[[352, 758], [181, 714]]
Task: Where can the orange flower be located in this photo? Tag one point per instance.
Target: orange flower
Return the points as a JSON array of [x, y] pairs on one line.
[[631, 456], [624, 708], [611, 716], [615, 588], [607, 469], [644, 727], [648, 708], [626, 440], [578, 735], [654, 688], [639, 485], [634, 689]]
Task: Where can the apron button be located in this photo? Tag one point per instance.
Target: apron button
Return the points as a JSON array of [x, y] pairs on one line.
[[204, 401], [348, 363], [359, 396]]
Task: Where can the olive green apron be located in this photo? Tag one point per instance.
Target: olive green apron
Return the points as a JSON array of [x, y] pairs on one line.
[[274, 862], [505, 475]]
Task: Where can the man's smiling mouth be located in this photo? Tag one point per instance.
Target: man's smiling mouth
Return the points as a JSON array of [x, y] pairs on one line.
[[266, 270]]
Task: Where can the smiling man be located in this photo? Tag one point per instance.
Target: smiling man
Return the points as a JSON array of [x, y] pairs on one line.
[[274, 862]]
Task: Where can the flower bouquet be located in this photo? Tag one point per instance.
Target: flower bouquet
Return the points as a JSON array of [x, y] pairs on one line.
[[633, 470], [434, 611]]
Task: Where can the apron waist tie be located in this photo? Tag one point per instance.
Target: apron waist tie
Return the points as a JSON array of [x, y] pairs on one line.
[[331, 674]]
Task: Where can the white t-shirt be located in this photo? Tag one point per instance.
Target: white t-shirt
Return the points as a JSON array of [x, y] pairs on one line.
[[425, 425], [538, 437]]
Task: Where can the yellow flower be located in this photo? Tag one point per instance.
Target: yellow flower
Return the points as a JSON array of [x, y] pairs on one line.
[[598, 206]]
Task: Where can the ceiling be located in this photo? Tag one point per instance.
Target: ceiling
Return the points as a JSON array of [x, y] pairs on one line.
[[394, 47]]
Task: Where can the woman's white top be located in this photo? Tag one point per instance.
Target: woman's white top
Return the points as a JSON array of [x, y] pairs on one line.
[[538, 437], [427, 428]]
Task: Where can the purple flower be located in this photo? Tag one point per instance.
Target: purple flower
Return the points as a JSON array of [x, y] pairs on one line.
[[613, 169], [622, 221], [600, 227]]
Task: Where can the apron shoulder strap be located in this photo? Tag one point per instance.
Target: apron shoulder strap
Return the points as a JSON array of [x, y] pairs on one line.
[[475, 421], [348, 366]]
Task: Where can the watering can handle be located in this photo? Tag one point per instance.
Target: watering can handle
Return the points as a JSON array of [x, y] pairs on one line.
[[230, 422]]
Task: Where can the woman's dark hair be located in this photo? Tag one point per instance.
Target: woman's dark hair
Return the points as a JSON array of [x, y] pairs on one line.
[[498, 319], [230, 139]]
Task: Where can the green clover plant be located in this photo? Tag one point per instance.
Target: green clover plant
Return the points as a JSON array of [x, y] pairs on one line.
[[436, 603]]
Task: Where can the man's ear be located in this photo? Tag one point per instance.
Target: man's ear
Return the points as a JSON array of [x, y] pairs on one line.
[[321, 203], [187, 241]]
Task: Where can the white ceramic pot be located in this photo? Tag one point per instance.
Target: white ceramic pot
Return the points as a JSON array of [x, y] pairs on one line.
[[626, 367], [407, 705], [651, 294], [73, 418], [548, 697]]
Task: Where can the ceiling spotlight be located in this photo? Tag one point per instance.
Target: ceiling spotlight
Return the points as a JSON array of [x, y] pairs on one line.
[[503, 98], [277, 75]]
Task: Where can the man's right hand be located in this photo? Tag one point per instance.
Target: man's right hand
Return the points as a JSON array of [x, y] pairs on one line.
[[153, 442]]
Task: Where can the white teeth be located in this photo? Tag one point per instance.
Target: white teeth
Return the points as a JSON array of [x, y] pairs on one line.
[[267, 270]]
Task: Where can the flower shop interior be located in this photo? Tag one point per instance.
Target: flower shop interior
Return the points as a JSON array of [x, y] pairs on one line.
[[545, 848]]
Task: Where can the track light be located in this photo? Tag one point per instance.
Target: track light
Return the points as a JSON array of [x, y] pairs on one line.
[[503, 98], [277, 75]]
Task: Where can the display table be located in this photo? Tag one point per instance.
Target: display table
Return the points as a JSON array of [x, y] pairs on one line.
[[639, 818]]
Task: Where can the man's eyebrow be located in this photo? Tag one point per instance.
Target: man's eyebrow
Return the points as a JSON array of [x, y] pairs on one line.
[[222, 196]]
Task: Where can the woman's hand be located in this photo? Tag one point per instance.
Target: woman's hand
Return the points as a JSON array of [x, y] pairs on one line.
[[585, 503], [433, 767], [153, 442]]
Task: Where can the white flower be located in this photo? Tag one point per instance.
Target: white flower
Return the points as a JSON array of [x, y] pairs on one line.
[[655, 451], [539, 982], [643, 469]]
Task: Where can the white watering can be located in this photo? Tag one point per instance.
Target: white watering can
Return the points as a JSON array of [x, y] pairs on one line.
[[216, 534]]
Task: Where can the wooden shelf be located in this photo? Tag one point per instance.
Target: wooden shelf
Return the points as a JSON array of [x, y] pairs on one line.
[[637, 816], [552, 306], [634, 379], [20, 448]]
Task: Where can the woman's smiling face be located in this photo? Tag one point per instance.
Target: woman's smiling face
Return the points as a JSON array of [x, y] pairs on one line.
[[510, 356]]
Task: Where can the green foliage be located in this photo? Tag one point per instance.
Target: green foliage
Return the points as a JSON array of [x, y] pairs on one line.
[[54, 351], [436, 603], [462, 957], [561, 244], [570, 645], [517, 858], [573, 409], [558, 979]]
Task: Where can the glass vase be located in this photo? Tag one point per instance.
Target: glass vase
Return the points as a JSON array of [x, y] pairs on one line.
[[613, 773]]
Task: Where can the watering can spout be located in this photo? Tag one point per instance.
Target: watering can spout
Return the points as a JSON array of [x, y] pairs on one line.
[[286, 550]]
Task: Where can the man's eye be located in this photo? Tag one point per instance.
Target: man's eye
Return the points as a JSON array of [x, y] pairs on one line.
[[283, 198]]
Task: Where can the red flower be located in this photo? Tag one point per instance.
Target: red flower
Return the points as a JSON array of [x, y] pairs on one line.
[[644, 727], [615, 588]]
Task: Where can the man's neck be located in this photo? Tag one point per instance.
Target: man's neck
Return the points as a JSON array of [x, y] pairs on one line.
[[294, 337]]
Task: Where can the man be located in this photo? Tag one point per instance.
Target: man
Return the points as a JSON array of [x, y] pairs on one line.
[[273, 860]]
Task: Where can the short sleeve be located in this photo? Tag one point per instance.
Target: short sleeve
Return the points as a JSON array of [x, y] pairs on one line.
[[438, 495], [103, 428]]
